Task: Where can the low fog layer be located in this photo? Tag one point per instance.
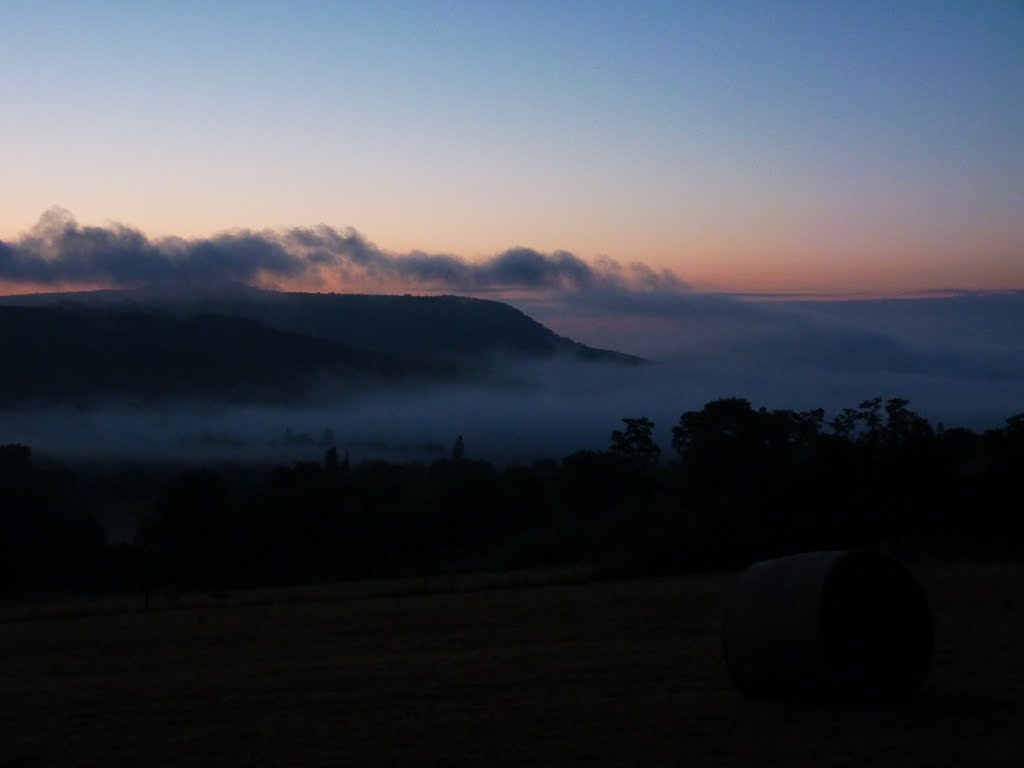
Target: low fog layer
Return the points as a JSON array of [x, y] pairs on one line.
[[540, 410]]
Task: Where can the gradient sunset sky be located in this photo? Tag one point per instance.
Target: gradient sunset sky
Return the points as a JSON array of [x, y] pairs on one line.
[[852, 146]]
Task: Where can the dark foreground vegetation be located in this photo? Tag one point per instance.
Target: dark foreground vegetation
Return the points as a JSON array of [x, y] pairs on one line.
[[744, 484]]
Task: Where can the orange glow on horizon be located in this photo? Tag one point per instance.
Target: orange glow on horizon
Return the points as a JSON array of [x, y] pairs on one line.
[[731, 263], [17, 288], [778, 246]]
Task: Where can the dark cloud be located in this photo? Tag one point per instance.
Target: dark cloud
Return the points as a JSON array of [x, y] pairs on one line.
[[528, 268], [59, 250]]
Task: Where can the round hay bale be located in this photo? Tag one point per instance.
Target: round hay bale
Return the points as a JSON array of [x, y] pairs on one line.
[[842, 626]]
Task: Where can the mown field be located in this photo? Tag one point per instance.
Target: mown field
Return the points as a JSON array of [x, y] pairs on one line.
[[621, 673]]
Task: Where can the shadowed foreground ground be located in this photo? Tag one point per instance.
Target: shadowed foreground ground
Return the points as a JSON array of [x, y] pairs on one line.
[[599, 674]]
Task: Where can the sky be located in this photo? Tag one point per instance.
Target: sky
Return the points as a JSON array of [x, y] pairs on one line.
[[795, 147]]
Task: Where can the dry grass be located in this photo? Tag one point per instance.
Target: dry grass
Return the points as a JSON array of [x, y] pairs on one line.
[[593, 674]]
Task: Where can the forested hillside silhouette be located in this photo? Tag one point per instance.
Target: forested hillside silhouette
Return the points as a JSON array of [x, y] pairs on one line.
[[82, 356], [252, 346], [741, 483]]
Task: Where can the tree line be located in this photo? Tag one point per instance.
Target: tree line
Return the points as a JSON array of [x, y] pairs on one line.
[[742, 483]]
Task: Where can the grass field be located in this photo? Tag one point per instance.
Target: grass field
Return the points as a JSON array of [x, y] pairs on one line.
[[621, 673]]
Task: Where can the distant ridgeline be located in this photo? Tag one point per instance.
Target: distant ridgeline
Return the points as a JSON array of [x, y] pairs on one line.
[[246, 345]]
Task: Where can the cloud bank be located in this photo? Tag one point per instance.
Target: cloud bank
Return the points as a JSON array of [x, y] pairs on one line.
[[59, 251]]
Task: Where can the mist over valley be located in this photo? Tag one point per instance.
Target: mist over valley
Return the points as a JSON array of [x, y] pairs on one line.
[[229, 374]]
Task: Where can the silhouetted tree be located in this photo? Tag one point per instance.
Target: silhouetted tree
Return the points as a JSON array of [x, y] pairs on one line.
[[749, 483], [331, 460], [870, 414], [635, 445], [190, 537], [903, 425], [48, 536]]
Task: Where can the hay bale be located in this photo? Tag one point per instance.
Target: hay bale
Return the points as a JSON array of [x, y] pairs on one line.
[[842, 626]]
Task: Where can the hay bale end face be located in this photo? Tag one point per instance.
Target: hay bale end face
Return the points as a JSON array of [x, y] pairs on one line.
[[840, 626]]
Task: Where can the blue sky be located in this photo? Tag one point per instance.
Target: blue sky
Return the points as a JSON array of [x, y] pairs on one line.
[[799, 146]]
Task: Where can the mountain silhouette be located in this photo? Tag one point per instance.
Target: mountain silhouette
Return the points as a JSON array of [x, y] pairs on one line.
[[247, 345]]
